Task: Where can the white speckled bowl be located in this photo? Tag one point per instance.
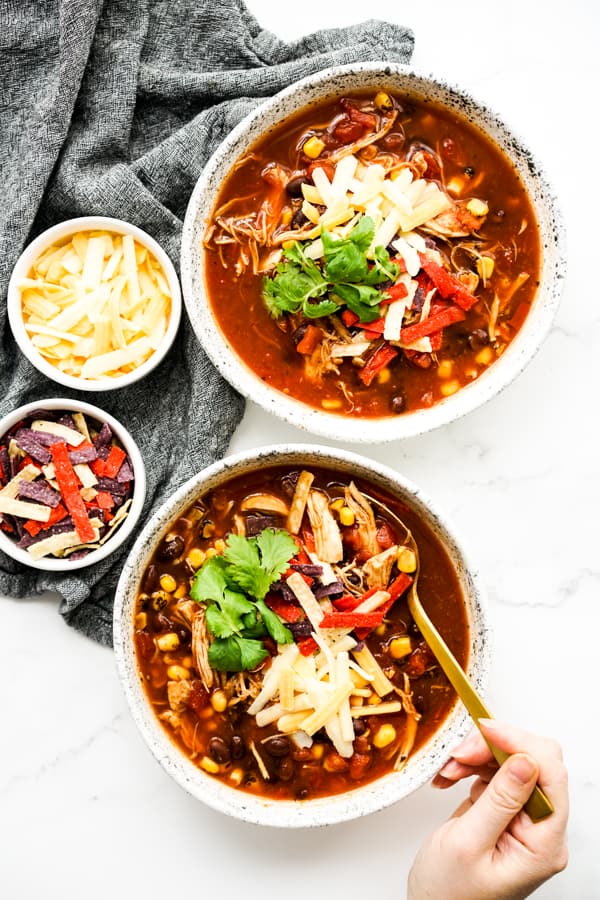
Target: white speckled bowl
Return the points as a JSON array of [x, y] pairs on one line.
[[316, 88], [370, 798]]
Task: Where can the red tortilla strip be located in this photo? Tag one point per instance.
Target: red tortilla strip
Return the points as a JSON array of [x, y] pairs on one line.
[[69, 488], [352, 620], [104, 500], [435, 323], [114, 461], [56, 515]]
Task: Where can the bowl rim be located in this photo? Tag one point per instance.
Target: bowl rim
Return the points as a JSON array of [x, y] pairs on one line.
[[49, 564], [490, 383], [336, 808], [24, 263]]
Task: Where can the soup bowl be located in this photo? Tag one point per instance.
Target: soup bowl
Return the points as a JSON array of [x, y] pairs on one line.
[[422, 764], [305, 94]]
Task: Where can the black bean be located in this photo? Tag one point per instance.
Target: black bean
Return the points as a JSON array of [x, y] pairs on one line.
[[238, 747], [360, 726], [171, 547], [298, 219], [294, 185], [285, 769], [470, 171], [150, 579], [477, 339], [398, 403], [277, 746], [219, 750], [302, 793], [182, 633], [256, 523], [299, 333]]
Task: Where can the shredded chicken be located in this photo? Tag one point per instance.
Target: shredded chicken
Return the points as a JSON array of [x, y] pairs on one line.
[[242, 686], [365, 519], [178, 693], [328, 541], [171, 718], [365, 141], [379, 567], [320, 362], [200, 649], [185, 611], [456, 221], [298, 504]]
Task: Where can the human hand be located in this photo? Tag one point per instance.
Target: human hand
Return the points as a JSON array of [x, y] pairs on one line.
[[490, 849]]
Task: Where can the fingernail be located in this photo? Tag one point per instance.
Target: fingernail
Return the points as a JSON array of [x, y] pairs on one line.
[[452, 769], [490, 724], [521, 768], [469, 744]]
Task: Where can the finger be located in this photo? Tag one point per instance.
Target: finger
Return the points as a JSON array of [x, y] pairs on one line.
[[473, 750], [456, 771], [552, 776], [503, 798], [477, 789]]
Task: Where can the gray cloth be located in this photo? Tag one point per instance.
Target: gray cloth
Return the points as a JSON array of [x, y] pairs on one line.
[[113, 108]]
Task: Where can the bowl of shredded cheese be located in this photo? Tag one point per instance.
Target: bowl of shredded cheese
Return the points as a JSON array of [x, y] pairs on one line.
[[94, 303]]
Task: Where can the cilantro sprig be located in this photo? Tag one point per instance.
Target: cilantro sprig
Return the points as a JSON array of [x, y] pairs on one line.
[[233, 587], [347, 277]]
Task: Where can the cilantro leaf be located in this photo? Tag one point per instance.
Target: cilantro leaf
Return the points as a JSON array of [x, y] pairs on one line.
[[317, 310], [363, 233], [210, 581], [274, 625], [236, 654], [276, 550], [344, 261], [251, 652]]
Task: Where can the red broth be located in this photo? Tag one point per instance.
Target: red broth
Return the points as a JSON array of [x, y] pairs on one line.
[[212, 725], [448, 153]]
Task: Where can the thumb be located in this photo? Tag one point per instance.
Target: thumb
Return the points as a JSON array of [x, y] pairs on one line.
[[504, 797]]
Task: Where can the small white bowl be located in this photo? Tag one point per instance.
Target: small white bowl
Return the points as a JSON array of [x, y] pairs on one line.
[[337, 82], [374, 796], [49, 564], [22, 268]]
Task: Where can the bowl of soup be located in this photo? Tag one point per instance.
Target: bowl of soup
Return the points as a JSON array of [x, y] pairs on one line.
[[372, 247], [265, 644]]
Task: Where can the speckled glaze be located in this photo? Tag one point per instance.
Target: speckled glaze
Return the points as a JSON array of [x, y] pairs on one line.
[[327, 811], [313, 90]]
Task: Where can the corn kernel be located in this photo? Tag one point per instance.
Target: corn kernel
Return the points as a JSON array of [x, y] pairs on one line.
[[141, 620], [287, 244], [167, 642], [406, 560], [168, 583], [178, 673], [478, 207], [381, 629], [196, 557], [208, 530], [357, 679], [444, 369], [450, 387], [313, 147], [187, 661], [331, 403], [384, 736], [181, 591], [211, 552], [220, 545], [355, 701], [374, 700], [485, 356], [286, 216], [337, 504], [235, 777], [383, 101], [209, 765], [384, 376], [396, 173], [346, 516], [485, 267], [218, 701], [400, 647], [317, 751]]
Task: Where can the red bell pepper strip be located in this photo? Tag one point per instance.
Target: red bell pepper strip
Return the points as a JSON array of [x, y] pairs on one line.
[[310, 341], [307, 646], [378, 361], [448, 286], [69, 488], [287, 611], [57, 514], [114, 461], [352, 620], [349, 318], [446, 317]]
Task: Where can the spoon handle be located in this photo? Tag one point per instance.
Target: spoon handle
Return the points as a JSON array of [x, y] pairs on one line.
[[538, 806]]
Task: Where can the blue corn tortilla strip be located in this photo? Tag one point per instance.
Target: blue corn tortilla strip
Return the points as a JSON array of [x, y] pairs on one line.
[[79, 554], [4, 465], [40, 491], [113, 487], [125, 473], [60, 528], [26, 439], [103, 438], [286, 592], [45, 438], [328, 590], [86, 455], [307, 569], [67, 420]]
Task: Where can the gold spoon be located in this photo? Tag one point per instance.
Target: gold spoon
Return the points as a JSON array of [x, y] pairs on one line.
[[538, 806]]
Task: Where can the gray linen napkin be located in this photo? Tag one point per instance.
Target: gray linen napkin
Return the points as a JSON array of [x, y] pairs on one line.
[[113, 108]]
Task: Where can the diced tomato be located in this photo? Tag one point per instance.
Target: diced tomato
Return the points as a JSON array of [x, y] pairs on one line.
[[422, 360], [346, 131], [322, 164], [386, 536], [199, 697], [519, 315], [310, 341]]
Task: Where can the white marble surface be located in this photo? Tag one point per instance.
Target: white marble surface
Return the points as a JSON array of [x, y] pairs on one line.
[[85, 812]]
